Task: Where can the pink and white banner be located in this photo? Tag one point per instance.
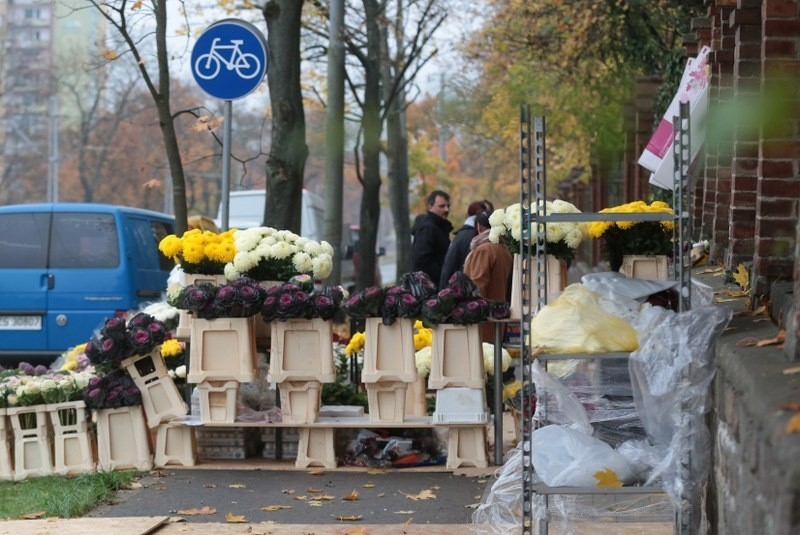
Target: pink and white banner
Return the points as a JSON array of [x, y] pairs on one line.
[[657, 156]]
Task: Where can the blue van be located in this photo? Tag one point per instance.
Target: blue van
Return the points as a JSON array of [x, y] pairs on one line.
[[67, 267]]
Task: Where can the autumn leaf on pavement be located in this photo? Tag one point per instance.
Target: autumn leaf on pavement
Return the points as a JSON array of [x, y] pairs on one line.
[[742, 277], [793, 425], [426, 494], [313, 490], [237, 486], [368, 485], [317, 472], [270, 508], [235, 519], [607, 478], [779, 339], [32, 516], [747, 341], [403, 512], [206, 510], [353, 496], [791, 371], [352, 518], [376, 471]]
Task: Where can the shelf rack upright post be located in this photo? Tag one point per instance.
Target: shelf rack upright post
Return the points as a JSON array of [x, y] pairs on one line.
[[532, 165]]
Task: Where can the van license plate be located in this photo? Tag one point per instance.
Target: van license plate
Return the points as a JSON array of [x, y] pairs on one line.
[[22, 323]]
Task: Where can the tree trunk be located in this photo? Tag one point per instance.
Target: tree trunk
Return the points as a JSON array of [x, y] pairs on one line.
[[289, 151], [397, 150], [397, 141], [167, 123], [334, 140], [371, 149]]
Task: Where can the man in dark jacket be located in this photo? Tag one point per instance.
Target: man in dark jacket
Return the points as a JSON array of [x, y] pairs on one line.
[[459, 247], [431, 232]]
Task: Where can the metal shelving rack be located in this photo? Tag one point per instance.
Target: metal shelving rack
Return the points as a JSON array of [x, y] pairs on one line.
[[533, 246]]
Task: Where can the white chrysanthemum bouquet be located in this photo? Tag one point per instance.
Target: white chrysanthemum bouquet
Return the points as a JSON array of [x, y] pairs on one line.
[[562, 237], [264, 253]]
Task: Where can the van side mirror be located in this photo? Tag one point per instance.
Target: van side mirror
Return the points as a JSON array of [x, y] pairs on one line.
[[381, 251]]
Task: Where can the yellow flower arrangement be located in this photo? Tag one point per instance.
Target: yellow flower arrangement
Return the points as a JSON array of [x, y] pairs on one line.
[[200, 251], [423, 336], [634, 237], [171, 348], [71, 358], [355, 344]]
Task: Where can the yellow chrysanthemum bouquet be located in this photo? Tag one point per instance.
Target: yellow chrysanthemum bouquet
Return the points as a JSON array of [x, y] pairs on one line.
[[200, 251], [634, 237]]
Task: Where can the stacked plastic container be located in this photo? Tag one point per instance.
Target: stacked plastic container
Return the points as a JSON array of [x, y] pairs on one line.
[[389, 367], [222, 355], [161, 403], [458, 376], [301, 360]]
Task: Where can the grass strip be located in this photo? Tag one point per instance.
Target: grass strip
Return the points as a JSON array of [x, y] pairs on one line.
[[59, 496]]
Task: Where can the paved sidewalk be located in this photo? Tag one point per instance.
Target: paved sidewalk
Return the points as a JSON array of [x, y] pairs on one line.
[[300, 497]]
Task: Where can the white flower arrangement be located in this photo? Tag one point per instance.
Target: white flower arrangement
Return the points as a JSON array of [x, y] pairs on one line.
[[488, 358], [562, 237], [264, 253], [423, 359]]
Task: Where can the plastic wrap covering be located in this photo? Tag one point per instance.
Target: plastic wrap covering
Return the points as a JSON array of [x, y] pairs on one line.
[[671, 374], [577, 322], [606, 514], [594, 396], [500, 511]]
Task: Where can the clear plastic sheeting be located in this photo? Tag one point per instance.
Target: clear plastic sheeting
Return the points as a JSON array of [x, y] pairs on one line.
[[594, 396], [671, 375], [500, 511], [606, 514], [662, 395], [576, 322]]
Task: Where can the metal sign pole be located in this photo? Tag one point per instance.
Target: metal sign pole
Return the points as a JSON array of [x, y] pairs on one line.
[[226, 164]]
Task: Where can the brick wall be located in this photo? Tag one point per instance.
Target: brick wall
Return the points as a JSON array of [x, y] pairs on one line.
[[745, 22], [779, 158]]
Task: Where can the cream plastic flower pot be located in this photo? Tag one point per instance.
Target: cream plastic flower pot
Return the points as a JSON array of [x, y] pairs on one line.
[[389, 351]]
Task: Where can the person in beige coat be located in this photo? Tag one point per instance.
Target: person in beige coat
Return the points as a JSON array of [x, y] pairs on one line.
[[489, 265]]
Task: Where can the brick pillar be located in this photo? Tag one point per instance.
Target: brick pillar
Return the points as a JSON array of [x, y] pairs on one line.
[[709, 177], [779, 164], [702, 32], [745, 21], [723, 73], [792, 345], [647, 87]]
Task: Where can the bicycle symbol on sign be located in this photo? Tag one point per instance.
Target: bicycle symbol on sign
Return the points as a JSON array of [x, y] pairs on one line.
[[245, 64]]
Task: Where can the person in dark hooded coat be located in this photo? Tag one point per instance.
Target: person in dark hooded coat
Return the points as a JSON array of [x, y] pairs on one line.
[[431, 232]]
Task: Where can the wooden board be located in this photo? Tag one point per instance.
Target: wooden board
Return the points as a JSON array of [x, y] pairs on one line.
[[354, 528], [411, 422], [139, 525]]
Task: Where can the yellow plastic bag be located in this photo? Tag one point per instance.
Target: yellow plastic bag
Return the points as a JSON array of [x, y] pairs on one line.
[[576, 323]]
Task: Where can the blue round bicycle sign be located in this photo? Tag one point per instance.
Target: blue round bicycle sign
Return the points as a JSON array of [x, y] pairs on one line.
[[230, 58]]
